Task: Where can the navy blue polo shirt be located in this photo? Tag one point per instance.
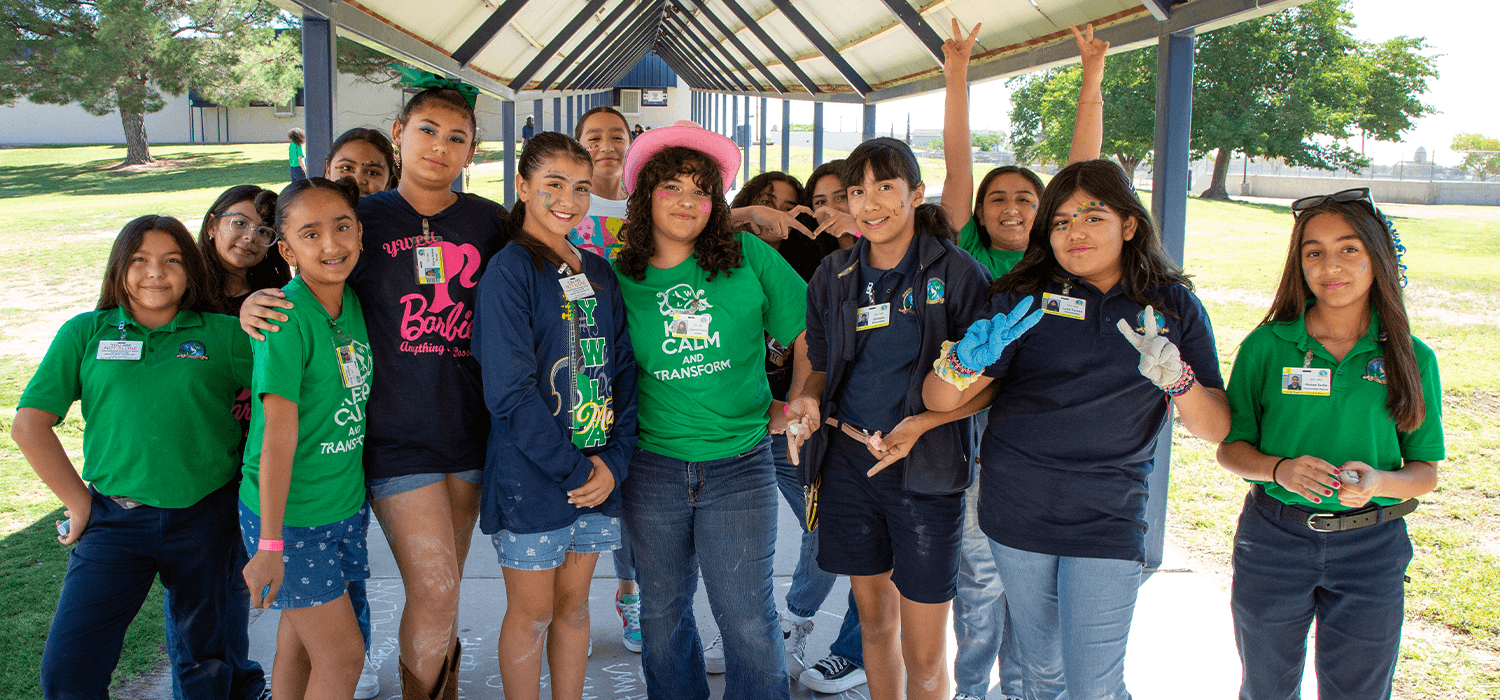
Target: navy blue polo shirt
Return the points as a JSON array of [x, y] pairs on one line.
[[875, 392], [1073, 430]]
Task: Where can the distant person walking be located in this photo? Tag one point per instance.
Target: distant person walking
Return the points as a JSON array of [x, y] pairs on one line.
[[527, 132], [295, 156]]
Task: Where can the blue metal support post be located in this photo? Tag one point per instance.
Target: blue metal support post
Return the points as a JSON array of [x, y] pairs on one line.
[[734, 127], [745, 143], [320, 80], [536, 116], [867, 130], [724, 115], [557, 111], [786, 135], [508, 132], [817, 134], [569, 122], [1169, 185], [762, 114]]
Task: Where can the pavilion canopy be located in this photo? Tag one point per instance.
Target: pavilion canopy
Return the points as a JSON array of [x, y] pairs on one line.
[[862, 51]]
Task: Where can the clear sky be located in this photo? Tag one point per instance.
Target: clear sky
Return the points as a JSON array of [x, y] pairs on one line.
[[1466, 93]]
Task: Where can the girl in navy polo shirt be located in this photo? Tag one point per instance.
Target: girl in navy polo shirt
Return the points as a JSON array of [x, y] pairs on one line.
[[155, 378], [1075, 422], [1337, 421], [425, 251], [561, 392], [889, 473]]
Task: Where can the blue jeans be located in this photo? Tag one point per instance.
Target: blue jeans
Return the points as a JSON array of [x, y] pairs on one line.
[[718, 516], [1286, 575], [624, 556], [810, 584], [249, 679], [111, 570], [981, 619], [1071, 619]]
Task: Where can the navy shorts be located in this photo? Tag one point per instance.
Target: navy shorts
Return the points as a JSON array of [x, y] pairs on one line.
[[392, 485], [873, 525], [318, 561]]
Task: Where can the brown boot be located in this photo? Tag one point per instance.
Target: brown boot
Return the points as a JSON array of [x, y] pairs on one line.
[[448, 683], [446, 686]]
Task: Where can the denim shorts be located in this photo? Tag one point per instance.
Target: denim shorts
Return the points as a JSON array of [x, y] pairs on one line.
[[539, 551], [393, 485], [318, 561], [875, 525]]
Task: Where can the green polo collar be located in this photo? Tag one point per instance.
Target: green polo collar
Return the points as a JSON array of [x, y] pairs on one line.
[[184, 319], [1296, 332]]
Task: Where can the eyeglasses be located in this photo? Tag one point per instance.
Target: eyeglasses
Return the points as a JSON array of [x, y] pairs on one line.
[[1356, 194], [239, 225]]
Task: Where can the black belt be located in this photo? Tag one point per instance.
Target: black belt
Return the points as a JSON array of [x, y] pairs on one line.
[[1322, 521]]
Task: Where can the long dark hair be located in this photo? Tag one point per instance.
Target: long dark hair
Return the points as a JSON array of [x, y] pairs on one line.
[[984, 189], [717, 246], [759, 185], [377, 139], [889, 159], [1144, 264], [345, 188], [834, 168], [578, 126], [112, 292], [271, 271], [543, 146], [1403, 399]]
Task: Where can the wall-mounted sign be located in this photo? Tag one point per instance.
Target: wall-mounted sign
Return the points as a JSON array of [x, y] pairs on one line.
[[653, 98]]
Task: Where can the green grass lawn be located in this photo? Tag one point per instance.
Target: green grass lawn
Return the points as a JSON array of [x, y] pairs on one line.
[[62, 207]]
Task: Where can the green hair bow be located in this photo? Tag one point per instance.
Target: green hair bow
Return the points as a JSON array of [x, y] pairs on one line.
[[427, 79]]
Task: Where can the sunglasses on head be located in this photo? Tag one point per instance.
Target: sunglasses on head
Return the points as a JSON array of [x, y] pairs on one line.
[[1355, 194]]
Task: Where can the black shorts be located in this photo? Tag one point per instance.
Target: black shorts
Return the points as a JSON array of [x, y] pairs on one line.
[[868, 526]]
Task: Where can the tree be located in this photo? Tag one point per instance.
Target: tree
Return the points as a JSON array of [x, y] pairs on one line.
[[1044, 109], [1296, 85], [1483, 158], [119, 55]]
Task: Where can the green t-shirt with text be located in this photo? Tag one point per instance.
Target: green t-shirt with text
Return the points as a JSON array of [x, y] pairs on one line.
[[998, 261], [305, 362], [705, 398]]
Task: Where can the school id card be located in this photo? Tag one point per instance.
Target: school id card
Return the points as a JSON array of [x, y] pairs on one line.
[[349, 366], [119, 350], [1066, 306], [693, 326], [875, 316], [430, 265], [576, 287], [1306, 381]]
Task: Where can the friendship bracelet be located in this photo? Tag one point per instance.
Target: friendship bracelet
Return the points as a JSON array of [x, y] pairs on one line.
[[269, 545], [951, 370], [1278, 466], [1183, 383]]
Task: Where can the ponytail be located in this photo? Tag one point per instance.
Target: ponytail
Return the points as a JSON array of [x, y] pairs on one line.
[[932, 220]]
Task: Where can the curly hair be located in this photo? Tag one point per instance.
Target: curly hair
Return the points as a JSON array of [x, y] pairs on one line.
[[759, 185], [717, 245]]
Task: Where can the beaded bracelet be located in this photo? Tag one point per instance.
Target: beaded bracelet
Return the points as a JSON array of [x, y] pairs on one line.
[[1183, 383], [951, 370]]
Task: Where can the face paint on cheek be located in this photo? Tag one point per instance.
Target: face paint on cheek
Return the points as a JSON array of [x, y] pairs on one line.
[[704, 207], [664, 195]]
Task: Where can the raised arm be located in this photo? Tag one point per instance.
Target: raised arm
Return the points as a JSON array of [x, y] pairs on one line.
[[1088, 130], [958, 186]]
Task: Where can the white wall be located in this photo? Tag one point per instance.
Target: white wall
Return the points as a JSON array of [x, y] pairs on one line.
[[29, 123]]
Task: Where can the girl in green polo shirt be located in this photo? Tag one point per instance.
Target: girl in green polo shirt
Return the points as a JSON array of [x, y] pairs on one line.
[[302, 501], [155, 380], [1337, 422]]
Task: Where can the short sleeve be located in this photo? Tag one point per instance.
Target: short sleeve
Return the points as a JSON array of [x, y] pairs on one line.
[[280, 362], [968, 237], [1198, 348], [242, 358], [1246, 383], [785, 316], [58, 381], [969, 296], [1426, 443]]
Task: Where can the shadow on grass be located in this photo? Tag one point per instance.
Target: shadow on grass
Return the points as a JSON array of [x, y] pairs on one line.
[[182, 171], [32, 566]]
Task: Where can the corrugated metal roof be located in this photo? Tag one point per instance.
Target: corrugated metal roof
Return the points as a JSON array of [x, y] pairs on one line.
[[651, 72], [846, 50]]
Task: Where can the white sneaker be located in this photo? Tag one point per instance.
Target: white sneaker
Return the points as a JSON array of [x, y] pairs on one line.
[[832, 675], [795, 633], [369, 682], [713, 656]]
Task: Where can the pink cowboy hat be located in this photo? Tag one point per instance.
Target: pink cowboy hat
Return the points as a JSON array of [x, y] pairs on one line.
[[683, 133]]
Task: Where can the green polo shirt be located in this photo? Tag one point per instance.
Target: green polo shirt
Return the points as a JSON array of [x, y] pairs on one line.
[[1350, 424], [706, 398], [159, 429], [300, 363], [997, 261]]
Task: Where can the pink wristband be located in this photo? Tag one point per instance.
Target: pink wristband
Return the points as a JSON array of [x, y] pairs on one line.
[[269, 545]]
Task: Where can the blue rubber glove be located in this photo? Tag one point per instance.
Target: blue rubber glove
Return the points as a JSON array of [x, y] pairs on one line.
[[987, 338]]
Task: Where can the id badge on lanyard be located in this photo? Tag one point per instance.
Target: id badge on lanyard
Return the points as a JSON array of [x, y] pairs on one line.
[[121, 349], [343, 348], [1306, 380], [429, 258]]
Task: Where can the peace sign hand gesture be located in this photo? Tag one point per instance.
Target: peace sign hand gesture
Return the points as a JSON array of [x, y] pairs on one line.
[[956, 51], [987, 338], [1090, 50], [1160, 360]]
